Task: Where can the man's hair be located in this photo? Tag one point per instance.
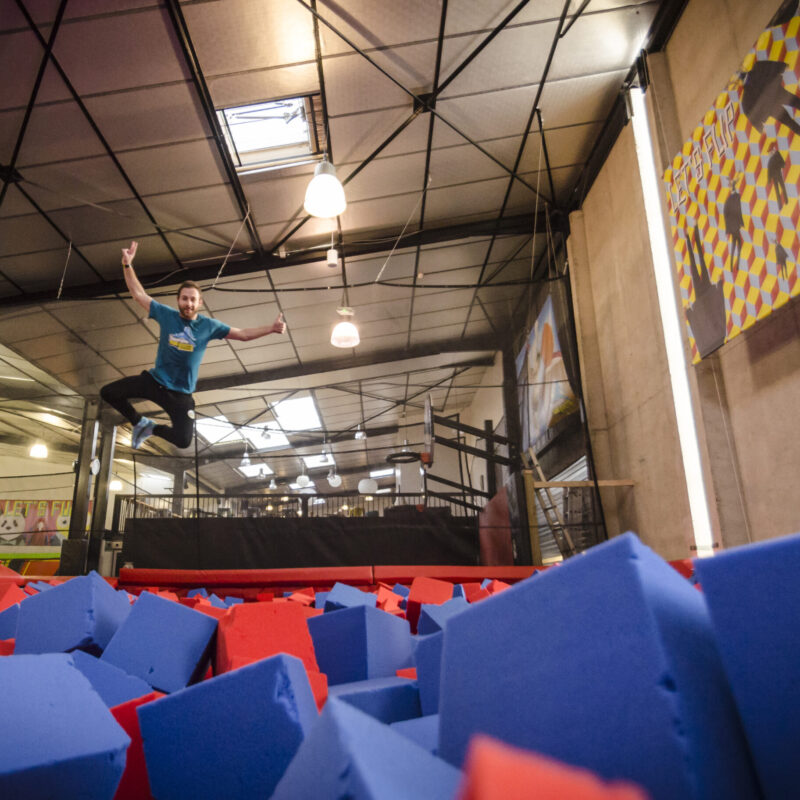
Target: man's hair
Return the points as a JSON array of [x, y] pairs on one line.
[[189, 285]]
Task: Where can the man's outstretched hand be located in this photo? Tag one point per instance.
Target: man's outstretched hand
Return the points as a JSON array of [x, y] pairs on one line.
[[279, 326], [129, 253]]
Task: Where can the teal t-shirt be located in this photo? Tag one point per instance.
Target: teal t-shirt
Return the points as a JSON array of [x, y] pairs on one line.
[[181, 346]]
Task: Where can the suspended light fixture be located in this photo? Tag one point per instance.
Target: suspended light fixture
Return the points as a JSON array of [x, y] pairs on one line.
[[367, 486], [359, 433], [273, 485], [345, 333], [334, 480], [245, 462], [38, 450], [325, 194], [302, 480]]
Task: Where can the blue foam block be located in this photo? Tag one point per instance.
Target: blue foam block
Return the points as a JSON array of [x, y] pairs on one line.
[[217, 601], [233, 736], [344, 596], [8, 622], [202, 592], [634, 683], [358, 643], [422, 730], [403, 591], [40, 586], [83, 613], [433, 618], [162, 642], [233, 601], [428, 660], [458, 591], [319, 599], [754, 599], [386, 699], [112, 684], [348, 754], [57, 738]]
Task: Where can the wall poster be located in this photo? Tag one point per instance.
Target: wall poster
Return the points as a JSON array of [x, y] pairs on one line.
[[34, 523], [546, 396], [732, 194]]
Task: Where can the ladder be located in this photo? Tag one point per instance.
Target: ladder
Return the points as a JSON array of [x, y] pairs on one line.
[[549, 508]]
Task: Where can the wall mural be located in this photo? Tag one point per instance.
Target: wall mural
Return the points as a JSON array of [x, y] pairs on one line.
[[733, 196], [34, 522]]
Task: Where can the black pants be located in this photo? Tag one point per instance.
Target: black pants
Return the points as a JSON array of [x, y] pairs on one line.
[[177, 404]]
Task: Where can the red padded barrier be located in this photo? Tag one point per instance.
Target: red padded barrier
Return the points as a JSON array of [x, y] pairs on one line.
[[455, 574], [317, 577]]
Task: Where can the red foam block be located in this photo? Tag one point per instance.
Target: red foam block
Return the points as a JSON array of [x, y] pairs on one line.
[[426, 590], [134, 784], [254, 631], [407, 672], [7, 647], [496, 771], [11, 594]]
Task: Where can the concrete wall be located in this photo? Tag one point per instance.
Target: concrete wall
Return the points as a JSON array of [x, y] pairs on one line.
[[750, 388], [746, 395], [624, 368]]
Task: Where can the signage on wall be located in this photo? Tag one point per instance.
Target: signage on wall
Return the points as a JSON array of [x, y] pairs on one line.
[[733, 194], [34, 522], [546, 396]]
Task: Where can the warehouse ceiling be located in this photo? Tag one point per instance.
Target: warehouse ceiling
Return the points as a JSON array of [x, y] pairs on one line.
[[464, 132]]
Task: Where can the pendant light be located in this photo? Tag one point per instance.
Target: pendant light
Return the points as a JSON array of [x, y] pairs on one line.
[[334, 480], [345, 333], [302, 480], [325, 194]]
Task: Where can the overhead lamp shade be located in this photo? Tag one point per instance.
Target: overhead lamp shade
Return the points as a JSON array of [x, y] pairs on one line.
[[334, 480], [367, 486], [345, 333], [38, 450], [303, 480], [325, 194], [272, 484], [245, 462]]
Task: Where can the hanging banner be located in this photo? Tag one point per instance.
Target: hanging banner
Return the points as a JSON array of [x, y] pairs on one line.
[[732, 193], [546, 396]]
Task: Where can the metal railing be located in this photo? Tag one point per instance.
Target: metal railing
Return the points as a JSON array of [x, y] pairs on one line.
[[347, 504]]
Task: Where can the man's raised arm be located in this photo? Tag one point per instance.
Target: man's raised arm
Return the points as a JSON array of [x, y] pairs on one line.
[[134, 286], [246, 334]]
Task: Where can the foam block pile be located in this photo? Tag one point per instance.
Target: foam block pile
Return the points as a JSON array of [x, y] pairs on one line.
[[609, 677]]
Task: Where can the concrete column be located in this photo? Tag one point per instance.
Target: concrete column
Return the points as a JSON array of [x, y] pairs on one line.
[[87, 452]]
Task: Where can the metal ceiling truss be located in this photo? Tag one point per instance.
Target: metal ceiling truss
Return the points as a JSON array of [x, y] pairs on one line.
[[85, 111]]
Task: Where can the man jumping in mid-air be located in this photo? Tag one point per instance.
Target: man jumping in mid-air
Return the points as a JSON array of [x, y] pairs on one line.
[[181, 345]]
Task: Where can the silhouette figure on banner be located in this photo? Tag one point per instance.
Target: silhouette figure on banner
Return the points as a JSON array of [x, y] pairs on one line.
[[764, 98], [707, 314], [781, 257], [776, 165], [734, 222], [785, 13]]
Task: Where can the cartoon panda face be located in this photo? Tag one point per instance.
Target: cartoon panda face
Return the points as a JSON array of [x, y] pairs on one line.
[[11, 525]]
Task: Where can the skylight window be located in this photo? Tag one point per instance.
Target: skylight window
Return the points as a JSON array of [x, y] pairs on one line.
[[215, 429], [303, 489], [297, 414], [256, 471], [268, 436], [277, 133], [322, 460]]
